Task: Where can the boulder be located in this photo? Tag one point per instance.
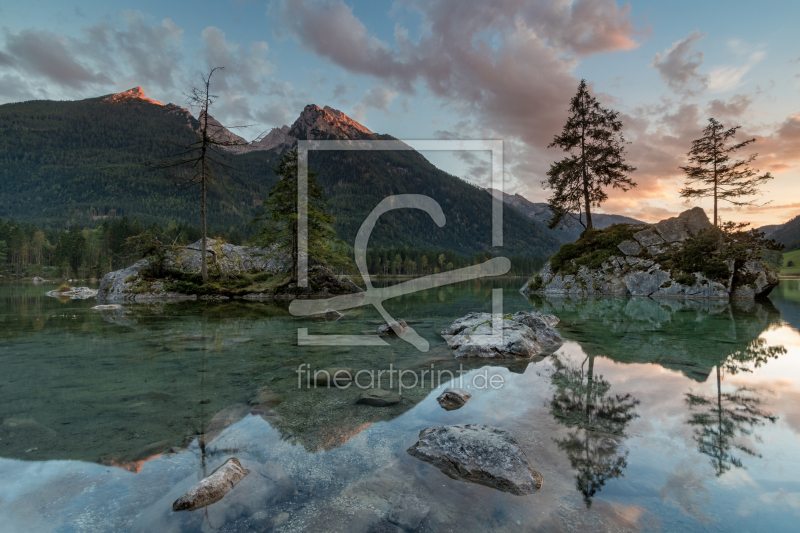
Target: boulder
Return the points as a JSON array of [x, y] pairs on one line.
[[521, 336], [212, 488], [452, 398], [408, 512], [328, 377], [629, 247], [481, 454], [753, 280], [695, 219], [331, 315], [397, 328], [379, 398], [673, 229], [648, 237], [74, 293]]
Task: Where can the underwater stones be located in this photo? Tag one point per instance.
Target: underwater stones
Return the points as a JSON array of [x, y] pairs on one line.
[[379, 398], [648, 237], [629, 247], [212, 488], [108, 307], [521, 336], [331, 315], [223, 419], [398, 327], [330, 377], [265, 397], [74, 293], [452, 398], [408, 512], [481, 454]]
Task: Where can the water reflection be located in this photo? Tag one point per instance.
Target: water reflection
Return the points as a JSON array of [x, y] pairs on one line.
[[725, 420], [582, 402]]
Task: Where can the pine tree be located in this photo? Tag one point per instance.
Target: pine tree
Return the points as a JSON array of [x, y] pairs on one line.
[[714, 174], [279, 218], [593, 138]]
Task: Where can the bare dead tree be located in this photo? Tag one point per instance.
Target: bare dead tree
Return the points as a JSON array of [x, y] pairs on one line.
[[195, 162]]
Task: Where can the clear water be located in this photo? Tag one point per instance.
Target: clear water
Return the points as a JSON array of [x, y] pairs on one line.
[[663, 415]]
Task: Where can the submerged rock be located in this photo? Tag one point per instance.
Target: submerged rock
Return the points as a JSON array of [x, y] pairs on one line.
[[329, 377], [108, 307], [521, 336], [398, 328], [481, 454], [212, 488], [408, 512], [379, 398], [74, 293], [452, 398]]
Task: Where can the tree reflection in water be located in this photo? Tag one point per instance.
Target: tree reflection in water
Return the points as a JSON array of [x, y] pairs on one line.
[[582, 402], [731, 415]]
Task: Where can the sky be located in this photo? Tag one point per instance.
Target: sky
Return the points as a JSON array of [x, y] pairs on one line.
[[449, 69]]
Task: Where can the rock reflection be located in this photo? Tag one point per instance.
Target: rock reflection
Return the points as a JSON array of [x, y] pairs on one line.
[[725, 420], [582, 402]]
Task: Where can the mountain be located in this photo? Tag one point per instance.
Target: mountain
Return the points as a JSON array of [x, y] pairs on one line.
[[788, 233], [78, 162], [539, 212]]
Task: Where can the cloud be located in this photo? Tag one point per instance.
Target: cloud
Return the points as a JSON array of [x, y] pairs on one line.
[[50, 56], [678, 65], [245, 69], [731, 110], [376, 97], [728, 78]]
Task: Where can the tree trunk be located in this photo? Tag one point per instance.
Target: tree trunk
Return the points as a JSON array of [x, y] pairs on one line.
[[585, 182], [716, 219], [204, 170]]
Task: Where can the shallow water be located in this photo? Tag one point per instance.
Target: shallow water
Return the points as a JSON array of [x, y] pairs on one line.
[[665, 415]]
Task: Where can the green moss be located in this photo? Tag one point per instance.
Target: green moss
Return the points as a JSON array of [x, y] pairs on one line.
[[592, 248]]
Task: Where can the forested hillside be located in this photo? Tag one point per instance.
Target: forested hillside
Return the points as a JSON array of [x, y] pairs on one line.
[[68, 163]]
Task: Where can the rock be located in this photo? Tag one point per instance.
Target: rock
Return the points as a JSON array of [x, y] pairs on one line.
[[279, 520], [635, 276], [695, 219], [408, 512], [108, 307], [648, 237], [74, 293], [212, 488], [398, 328], [753, 280], [333, 376], [265, 397], [481, 454], [331, 315], [673, 229], [629, 247], [379, 398], [522, 335], [38, 280], [452, 398]]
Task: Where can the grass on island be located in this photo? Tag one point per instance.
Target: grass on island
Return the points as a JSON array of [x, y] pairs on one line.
[[184, 283], [592, 248], [794, 257]]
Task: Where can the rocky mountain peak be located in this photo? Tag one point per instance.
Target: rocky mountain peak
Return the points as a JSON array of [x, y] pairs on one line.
[[317, 123], [135, 95]]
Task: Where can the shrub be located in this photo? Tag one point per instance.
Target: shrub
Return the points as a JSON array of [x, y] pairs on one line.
[[790, 263], [64, 288], [592, 248]]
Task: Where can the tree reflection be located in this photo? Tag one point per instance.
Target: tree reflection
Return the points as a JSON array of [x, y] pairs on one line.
[[731, 416], [599, 419]]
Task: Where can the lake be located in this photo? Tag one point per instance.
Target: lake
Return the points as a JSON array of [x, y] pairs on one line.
[[655, 415]]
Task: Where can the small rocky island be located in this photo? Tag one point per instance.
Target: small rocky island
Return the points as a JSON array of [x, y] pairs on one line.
[[684, 257], [241, 272]]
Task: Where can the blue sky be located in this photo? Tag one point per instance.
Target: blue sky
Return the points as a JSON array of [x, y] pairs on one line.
[[449, 68]]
